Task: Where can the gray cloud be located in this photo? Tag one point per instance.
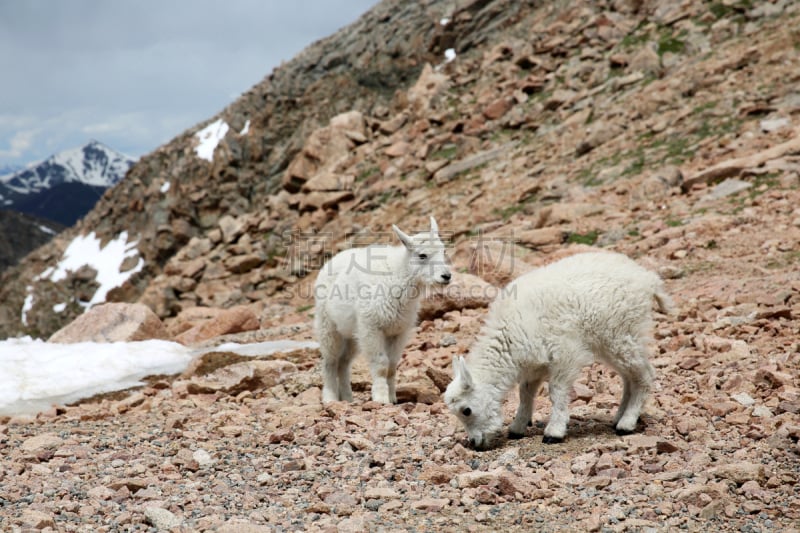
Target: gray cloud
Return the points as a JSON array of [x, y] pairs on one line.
[[133, 74]]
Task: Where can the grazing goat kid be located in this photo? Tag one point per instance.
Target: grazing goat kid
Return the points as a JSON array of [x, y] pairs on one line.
[[369, 297], [547, 325]]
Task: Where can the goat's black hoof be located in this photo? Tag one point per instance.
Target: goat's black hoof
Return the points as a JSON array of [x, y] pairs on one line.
[[552, 440], [530, 423], [623, 432], [514, 435]]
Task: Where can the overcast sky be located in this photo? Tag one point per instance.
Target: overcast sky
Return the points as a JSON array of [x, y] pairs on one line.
[[135, 73]]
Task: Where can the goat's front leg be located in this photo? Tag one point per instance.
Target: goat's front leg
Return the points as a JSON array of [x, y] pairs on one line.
[[527, 392], [560, 384], [394, 352], [374, 345]]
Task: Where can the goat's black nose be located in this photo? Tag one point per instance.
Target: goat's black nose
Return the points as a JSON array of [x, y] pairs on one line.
[[446, 276]]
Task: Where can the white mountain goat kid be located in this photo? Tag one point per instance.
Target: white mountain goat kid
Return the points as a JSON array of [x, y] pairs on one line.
[[547, 325], [369, 297]]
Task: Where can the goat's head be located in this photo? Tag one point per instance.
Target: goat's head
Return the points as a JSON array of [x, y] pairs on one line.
[[428, 261], [475, 406]]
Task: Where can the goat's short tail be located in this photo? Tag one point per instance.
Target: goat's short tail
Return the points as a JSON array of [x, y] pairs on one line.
[[663, 300]]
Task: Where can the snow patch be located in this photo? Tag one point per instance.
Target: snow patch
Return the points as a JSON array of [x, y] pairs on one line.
[[263, 348], [449, 55], [45, 229], [165, 187], [246, 128], [34, 375], [27, 305], [59, 308], [106, 260], [444, 21], [209, 137]]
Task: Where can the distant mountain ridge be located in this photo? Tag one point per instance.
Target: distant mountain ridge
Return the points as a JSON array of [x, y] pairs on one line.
[[65, 186], [92, 164], [65, 203]]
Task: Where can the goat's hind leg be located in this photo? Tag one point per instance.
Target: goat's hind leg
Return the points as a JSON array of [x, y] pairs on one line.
[[346, 356], [334, 350], [639, 384], [331, 345], [626, 398], [637, 378]]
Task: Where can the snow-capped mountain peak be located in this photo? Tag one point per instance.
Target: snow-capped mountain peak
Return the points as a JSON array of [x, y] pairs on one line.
[[91, 164]]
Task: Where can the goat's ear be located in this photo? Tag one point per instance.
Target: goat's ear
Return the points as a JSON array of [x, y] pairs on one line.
[[434, 227], [405, 239], [463, 372]]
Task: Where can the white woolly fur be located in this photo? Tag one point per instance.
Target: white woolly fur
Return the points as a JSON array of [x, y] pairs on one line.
[[547, 325], [368, 298]]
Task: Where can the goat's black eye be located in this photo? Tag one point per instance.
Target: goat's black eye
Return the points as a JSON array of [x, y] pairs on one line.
[[422, 257], [466, 411]]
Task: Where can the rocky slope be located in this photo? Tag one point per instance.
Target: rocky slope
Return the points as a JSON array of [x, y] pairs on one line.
[[667, 131], [360, 68], [20, 234]]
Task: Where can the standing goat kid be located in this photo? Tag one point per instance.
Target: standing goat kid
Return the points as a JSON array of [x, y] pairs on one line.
[[547, 325], [369, 297]]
